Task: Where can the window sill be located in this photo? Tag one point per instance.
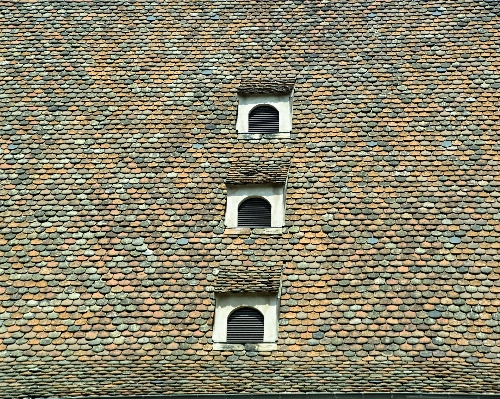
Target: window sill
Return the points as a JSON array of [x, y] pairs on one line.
[[256, 230], [263, 346], [258, 136]]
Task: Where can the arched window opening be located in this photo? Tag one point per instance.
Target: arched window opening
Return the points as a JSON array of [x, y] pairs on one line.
[[254, 212], [245, 325], [264, 119]]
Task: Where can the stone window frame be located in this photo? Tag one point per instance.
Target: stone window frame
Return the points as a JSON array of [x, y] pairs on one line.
[[283, 102], [275, 194], [266, 303]]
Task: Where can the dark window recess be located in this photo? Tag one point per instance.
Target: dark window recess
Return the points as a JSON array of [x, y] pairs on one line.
[[264, 119], [245, 325], [254, 212]]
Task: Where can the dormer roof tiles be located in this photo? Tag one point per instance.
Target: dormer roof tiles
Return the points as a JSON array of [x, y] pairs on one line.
[[249, 172], [266, 86], [261, 278]]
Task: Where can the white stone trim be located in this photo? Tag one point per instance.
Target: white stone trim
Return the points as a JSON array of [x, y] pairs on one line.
[[265, 302], [282, 102], [265, 347], [258, 136], [248, 230], [273, 193]]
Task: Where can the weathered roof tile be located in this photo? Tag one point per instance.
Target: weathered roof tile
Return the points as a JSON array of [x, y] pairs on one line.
[[260, 278], [248, 172]]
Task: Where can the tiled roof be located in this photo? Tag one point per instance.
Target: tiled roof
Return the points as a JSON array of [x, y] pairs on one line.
[[266, 86], [117, 140], [249, 172], [245, 278]]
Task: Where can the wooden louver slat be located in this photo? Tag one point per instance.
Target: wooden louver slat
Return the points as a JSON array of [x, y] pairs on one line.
[[245, 325], [254, 212], [264, 119]]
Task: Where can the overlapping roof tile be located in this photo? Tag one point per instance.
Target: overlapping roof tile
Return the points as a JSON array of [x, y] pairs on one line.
[[245, 278], [248, 172], [266, 86]]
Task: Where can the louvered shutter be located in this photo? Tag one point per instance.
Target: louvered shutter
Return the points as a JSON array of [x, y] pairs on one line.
[[245, 325], [254, 212], [264, 119]]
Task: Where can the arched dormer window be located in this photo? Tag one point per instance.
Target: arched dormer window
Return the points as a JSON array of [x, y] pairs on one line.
[[245, 325], [254, 212], [246, 317], [264, 119]]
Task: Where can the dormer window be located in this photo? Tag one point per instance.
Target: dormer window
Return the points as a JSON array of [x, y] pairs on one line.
[[259, 206], [264, 119], [243, 318], [254, 212], [256, 195], [265, 109]]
